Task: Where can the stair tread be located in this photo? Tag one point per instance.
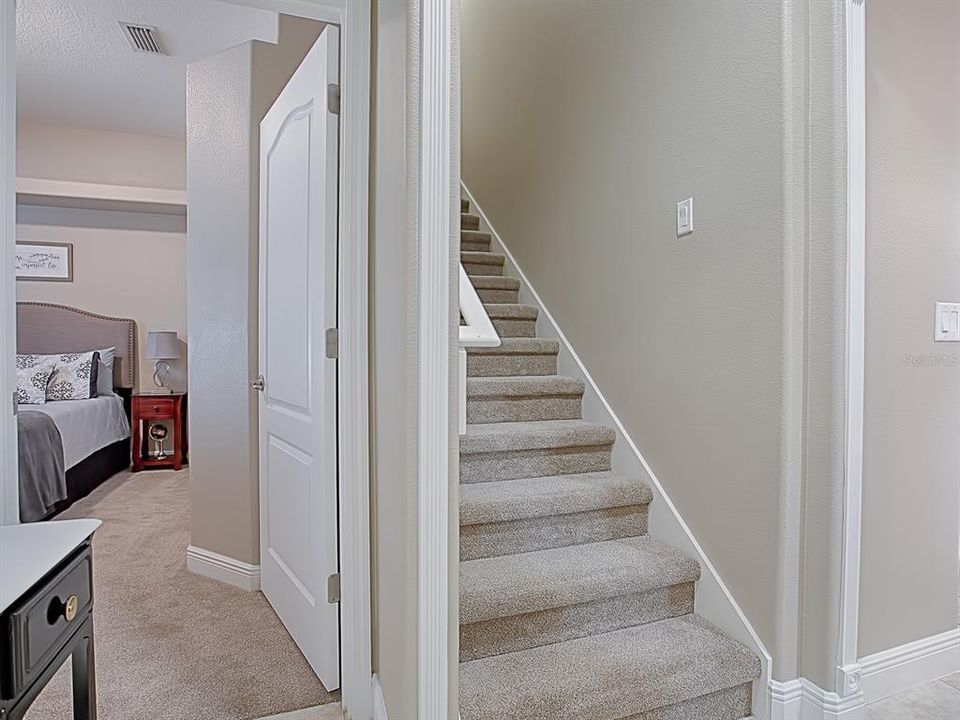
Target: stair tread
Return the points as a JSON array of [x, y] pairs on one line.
[[511, 311], [468, 234], [508, 585], [519, 346], [477, 257], [494, 282], [603, 677], [525, 498], [533, 435], [523, 386]]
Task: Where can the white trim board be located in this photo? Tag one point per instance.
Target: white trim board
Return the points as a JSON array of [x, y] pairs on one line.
[[848, 676], [802, 700], [713, 600], [435, 221], [883, 674], [223, 568], [891, 671]]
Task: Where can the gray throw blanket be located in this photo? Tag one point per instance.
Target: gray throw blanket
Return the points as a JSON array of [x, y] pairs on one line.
[[43, 481]]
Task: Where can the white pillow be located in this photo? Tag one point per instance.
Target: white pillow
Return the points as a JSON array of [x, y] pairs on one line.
[[105, 371], [75, 376], [33, 374]]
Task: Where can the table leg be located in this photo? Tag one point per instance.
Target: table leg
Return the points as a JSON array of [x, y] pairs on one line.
[[85, 678]]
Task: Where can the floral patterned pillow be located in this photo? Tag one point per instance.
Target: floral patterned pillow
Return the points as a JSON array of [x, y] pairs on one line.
[[74, 377], [33, 374]]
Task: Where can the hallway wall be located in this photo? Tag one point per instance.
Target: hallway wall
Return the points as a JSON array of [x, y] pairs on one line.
[[911, 474]]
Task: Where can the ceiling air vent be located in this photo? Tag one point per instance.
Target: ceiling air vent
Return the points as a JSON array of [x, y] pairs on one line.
[[142, 38]]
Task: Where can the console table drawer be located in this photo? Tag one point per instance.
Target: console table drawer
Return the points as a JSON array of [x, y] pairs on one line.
[[42, 624]]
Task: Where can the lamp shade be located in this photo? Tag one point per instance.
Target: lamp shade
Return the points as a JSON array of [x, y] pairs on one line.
[[163, 345]]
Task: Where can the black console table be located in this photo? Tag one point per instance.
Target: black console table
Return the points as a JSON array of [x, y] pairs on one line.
[[46, 613]]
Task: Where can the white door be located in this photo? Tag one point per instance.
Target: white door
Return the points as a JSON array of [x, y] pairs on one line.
[[298, 403]]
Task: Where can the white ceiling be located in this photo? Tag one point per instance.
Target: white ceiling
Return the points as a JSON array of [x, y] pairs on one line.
[[75, 67]]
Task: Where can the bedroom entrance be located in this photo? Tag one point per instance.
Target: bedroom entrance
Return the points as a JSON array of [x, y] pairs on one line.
[[255, 557]]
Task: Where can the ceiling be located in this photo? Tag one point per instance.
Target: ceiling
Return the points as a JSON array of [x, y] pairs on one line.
[[75, 67]]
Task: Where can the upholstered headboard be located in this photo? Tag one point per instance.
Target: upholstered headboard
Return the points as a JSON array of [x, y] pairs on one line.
[[46, 329]]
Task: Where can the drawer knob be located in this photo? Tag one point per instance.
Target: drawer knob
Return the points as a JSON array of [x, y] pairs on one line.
[[70, 608], [156, 408]]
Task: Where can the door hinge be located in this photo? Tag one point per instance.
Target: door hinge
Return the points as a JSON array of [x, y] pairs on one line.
[[333, 343], [333, 588], [333, 98]]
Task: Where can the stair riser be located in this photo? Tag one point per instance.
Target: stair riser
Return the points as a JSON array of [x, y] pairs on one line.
[[522, 632], [489, 467], [510, 365], [482, 269], [512, 328], [730, 704], [516, 536], [470, 222], [523, 409], [474, 245], [464, 206]]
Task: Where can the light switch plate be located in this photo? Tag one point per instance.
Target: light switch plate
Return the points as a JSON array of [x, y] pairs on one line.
[[947, 322], [684, 217]]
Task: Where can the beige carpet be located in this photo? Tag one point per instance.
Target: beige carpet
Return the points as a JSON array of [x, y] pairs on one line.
[[171, 645]]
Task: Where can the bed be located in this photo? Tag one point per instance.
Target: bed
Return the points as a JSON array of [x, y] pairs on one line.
[[84, 441]]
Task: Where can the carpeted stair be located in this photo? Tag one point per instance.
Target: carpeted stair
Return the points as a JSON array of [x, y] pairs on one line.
[[567, 608]]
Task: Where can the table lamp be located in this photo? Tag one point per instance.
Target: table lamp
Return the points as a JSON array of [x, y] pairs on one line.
[[162, 346]]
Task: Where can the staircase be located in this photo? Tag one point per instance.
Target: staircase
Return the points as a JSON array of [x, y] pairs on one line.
[[567, 608]]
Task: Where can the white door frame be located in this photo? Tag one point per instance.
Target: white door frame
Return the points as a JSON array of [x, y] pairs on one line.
[[435, 221], [9, 482], [353, 17], [849, 681]]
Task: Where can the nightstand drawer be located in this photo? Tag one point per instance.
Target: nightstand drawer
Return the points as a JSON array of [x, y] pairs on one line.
[[44, 622], [160, 408]]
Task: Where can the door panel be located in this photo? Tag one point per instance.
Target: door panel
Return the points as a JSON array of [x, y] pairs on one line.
[[299, 147]]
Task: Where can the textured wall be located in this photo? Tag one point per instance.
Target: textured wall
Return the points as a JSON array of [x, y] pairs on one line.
[[583, 125], [912, 431], [227, 96], [220, 229], [393, 397], [58, 152]]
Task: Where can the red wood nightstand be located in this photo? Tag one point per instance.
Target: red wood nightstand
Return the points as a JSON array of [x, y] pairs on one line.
[[148, 407]]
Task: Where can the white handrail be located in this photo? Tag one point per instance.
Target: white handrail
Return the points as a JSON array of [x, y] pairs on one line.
[[477, 331]]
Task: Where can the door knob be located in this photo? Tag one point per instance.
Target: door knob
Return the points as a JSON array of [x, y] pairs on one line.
[[258, 383]]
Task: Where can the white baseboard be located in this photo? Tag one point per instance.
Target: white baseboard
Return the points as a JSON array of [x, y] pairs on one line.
[[802, 700], [222, 568], [713, 600], [891, 671], [379, 706]]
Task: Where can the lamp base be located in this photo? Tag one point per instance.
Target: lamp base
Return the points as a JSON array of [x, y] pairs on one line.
[[159, 391]]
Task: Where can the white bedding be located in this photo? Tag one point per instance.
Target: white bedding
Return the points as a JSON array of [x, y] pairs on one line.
[[87, 425]]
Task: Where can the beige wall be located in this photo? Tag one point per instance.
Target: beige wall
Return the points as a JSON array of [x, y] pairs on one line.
[[912, 425], [393, 399], [583, 125], [58, 152], [125, 264], [227, 96]]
